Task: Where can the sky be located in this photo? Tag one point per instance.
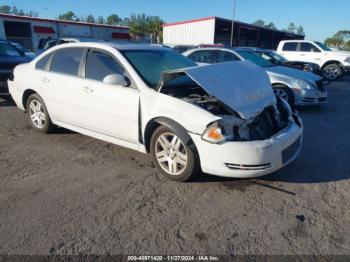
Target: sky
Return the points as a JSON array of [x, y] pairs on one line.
[[320, 18]]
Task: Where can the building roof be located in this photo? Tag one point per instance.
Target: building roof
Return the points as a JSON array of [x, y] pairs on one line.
[[223, 19], [59, 21]]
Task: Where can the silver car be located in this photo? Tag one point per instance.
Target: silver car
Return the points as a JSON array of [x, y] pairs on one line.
[[295, 86]]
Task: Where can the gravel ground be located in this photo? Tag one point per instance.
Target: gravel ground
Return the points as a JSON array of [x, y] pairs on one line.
[[65, 193]]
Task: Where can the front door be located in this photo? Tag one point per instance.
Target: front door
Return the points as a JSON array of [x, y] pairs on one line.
[[108, 109]]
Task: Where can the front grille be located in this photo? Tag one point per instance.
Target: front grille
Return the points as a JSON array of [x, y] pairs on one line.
[[248, 167], [264, 126], [290, 151], [322, 99]]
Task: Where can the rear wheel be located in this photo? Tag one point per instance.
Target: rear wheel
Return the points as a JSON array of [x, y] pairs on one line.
[[38, 114], [172, 156], [285, 93], [333, 72]]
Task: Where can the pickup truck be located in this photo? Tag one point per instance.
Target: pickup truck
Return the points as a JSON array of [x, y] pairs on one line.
[[333, 63]]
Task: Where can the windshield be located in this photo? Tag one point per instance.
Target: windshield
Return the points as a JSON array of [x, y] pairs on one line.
[[256, 59], [323, 47], [8, 50], [21, 48], [277, 57], [151, 63]]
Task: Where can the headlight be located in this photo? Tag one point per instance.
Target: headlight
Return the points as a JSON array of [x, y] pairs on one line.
[[347, 60], [301, 84], [214, 134]]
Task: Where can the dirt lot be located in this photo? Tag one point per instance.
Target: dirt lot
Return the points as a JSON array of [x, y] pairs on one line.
[[66, 193]]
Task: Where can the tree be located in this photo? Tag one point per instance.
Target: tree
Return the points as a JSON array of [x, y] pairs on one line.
[[90, 19], [154, 28], [69, 16], [291, 28], [259, 22], [125, 22], [100, 20], [271, 26], [5, 9], [139, 25], [113, 19], [340, 40], [300, 30]]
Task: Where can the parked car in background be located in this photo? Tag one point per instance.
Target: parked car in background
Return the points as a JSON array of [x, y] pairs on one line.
[[332, 63], [48, 43], [277, 59], [156, 101], [10, 57], [24, 50], [295, 86], [181, 48]]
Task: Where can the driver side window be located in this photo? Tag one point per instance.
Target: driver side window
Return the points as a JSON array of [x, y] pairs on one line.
[[307, 47], [99, 65]]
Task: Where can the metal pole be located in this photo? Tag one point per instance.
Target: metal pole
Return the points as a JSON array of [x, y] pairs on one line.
[[233, 21]]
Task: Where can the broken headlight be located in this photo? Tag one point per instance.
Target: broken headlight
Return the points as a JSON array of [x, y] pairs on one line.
[[214, 133]]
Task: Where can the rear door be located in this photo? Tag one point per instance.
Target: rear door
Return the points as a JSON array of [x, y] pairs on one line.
[[106, 108], [290, 51], [61, 85]]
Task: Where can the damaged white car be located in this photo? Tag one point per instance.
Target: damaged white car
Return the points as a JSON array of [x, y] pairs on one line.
[[156, 101]]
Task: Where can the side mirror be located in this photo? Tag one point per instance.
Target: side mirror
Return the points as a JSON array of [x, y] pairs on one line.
[[117, 79]]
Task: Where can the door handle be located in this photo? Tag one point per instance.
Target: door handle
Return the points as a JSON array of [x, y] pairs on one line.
[[45, 80], [87, 89]]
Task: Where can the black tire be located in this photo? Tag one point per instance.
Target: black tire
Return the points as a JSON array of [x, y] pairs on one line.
[[46, 125], [333, 72], [287, 91], [192, 167]]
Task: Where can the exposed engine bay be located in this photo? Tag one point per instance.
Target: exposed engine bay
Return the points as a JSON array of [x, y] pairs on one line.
[[269, 122]]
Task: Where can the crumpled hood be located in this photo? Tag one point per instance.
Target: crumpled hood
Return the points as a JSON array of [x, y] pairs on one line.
[[240, 85], [291, 72]]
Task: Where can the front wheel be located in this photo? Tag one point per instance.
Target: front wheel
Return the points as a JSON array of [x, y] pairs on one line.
[[172, 156], [284, 93], [333, 72], [38, 114]]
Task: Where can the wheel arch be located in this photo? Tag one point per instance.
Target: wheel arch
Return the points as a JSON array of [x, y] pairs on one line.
[[26, 94], [330, 63], [154, 123]]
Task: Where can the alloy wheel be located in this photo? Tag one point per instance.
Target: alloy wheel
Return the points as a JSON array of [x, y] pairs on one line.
[[281, 93], [171, 154], [37, 114], [332, 73]]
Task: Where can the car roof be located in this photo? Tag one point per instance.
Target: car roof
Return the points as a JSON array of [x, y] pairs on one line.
[[118, 46]]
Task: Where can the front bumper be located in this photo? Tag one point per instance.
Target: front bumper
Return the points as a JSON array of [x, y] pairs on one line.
[[250, 159], [310, 96]]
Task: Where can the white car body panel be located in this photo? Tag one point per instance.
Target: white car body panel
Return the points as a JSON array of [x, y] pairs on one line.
[[118, 114]]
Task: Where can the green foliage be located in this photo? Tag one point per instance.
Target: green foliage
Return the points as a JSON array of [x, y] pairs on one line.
[[90, 19], [113, 19], [259, 22], [340, 40], [5, 9], [68, 16]]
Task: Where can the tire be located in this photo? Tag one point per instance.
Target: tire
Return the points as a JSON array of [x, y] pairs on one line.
[[285, 93], [333, 72], [38, 114], [166, 147]]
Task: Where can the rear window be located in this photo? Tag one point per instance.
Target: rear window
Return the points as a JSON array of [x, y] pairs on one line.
[[290, 46], [66, 61], [41, 64]]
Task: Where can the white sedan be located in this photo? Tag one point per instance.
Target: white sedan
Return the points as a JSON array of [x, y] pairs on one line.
[[153, 100]]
